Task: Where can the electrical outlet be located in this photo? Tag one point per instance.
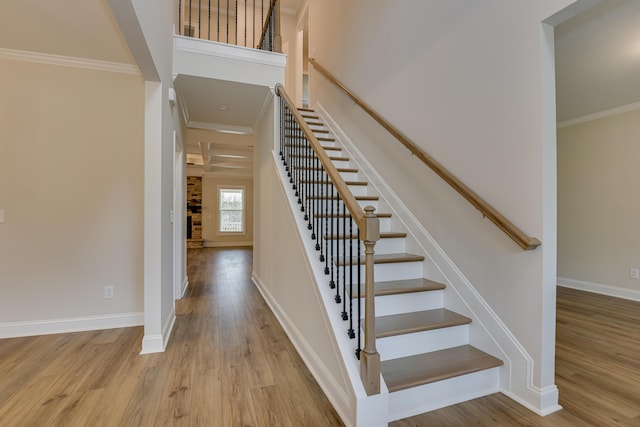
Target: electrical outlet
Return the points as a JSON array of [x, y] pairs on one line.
[[108, 292], [634, 273]]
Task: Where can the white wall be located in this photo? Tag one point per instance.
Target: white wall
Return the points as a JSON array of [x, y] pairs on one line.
[[466, 81], [71, 185], [598, 207]]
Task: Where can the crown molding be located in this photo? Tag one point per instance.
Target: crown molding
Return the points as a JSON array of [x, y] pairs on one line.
[[599, 115], [68, 61]]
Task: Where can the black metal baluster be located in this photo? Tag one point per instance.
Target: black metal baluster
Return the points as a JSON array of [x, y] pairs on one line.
[[236, 23], [333, 239], [180, 26], [228, 21], [351, 332], [338, 242], [312, 214], [303, 174], [209, 23], [218, 32], [359, 301], [325, 236], [309, 174], [245, 22], [321, 217], [253, 32], [344, 259], [190, 11], [199, 19]]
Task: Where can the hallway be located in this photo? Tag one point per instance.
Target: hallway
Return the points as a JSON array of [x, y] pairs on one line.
[[255, 374]]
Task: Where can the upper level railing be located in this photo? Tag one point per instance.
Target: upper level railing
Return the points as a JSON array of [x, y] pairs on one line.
[[338, 225], [517, 235], [237, 22], [271, 39]]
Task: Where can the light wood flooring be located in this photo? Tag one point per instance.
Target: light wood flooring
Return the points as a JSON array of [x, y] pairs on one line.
[[230, 364]]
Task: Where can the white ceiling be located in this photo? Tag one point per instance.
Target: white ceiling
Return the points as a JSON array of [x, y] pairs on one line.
[[598, 59], [221, 104]]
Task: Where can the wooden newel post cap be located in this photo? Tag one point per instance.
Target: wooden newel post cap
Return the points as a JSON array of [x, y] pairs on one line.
[[372, 231]]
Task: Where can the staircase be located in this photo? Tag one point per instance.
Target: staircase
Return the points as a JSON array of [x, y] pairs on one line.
[[426, 359]]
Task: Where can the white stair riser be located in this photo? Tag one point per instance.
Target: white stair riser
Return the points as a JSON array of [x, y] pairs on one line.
[[429, 397], [391, 271], [385, 225], [387, 305], [324, 205], [383, 246], [320, 175], [342, 163], [422, 342]]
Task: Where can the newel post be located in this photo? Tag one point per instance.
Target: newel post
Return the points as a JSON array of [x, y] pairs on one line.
[[369, 357]]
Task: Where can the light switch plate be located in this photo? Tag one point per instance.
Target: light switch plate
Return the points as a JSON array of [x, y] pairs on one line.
[[1, 216]]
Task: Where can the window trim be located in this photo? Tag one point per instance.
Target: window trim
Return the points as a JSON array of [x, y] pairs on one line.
[[243, 188]]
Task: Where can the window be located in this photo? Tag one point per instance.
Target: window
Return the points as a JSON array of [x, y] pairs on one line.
[[231, 210]]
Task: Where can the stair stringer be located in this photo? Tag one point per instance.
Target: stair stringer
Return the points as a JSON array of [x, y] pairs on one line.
[[487, 331], [353, 405]]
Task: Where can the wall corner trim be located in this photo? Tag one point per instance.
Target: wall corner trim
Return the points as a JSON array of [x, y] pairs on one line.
[[157, 343]]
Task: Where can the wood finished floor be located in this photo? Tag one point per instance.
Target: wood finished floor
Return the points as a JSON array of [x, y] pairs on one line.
[[230, 364]]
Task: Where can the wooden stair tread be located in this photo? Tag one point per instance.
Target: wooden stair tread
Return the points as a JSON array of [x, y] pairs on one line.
[[315, 181], [337, 215], [395, 287], [325, 147], [343, 170], [334, 158], [413, 371], [326, 139], [418, 321], [309, 110], [383, 235], [313, 130], [384, 259], [309, 115], [371, 198]]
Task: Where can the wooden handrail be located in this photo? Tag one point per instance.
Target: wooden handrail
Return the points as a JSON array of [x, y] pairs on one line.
[[348, 198], [485, 208]]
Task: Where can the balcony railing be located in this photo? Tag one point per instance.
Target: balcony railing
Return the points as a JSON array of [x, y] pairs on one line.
[[248, 23]]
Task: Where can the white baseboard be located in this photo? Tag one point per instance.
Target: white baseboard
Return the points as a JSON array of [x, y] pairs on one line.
[[209, 244], [185, 286], [157, 343], [75, 324], [597, 288]]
